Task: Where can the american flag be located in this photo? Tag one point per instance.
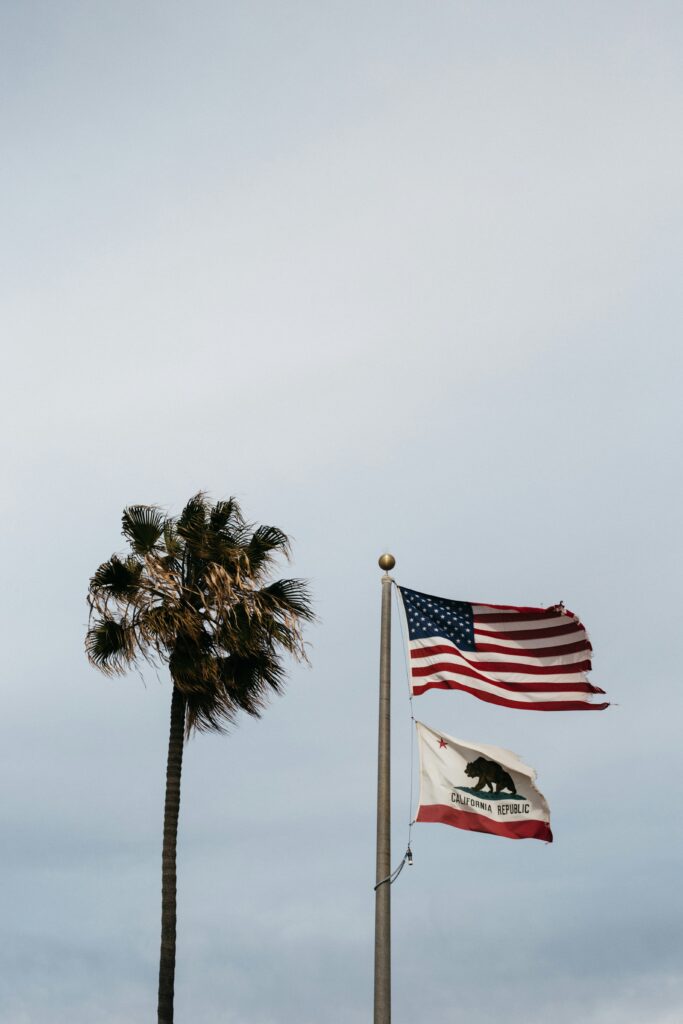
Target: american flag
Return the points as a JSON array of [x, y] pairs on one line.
[[530, 658]]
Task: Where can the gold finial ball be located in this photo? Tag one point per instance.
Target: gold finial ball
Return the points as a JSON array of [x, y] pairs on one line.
[[387, 562]]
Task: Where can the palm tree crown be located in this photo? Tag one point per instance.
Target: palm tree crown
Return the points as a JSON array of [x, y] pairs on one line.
[[194, 592]]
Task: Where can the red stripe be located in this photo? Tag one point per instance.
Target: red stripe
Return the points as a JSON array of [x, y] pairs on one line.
[[525, 687], [491, 698], [499, 668], [478, 669], [535, 652], [425, 652], [528, 829], [516, 656], [511, 614], [494, 667], [533, 634]]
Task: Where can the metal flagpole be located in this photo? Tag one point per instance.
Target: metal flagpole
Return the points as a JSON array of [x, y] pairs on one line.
[[383, 883]]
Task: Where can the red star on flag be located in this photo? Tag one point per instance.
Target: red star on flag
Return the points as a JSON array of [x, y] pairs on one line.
[[442, 743]]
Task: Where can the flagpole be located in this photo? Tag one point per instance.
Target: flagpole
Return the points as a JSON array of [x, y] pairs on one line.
[[383, 885]]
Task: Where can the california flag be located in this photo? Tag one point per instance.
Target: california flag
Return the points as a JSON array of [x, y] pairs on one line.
[[483, 789]]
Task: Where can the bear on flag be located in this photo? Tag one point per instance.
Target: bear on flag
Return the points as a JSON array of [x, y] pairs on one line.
[[479, 788], [535, 659]]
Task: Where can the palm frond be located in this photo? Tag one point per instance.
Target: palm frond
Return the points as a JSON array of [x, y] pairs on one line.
[[117, 578], [249, 681], [290, 596], [226, 517], [265, 543], [195, 514], [110, 645], [191, 660], [158, 625], [192, 526], [142, 526], [219, 586], [172, 542], [272, 538], [237, 629], [286, 635], [243, 683]]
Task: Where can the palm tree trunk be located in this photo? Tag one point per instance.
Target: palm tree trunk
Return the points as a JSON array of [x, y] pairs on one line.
[[168, 858]]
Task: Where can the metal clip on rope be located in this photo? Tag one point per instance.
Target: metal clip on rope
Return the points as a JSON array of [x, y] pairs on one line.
[[407, 858]]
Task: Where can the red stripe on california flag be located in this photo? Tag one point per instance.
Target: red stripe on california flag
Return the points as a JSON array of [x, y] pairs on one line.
[[445, 815], [492, 698]]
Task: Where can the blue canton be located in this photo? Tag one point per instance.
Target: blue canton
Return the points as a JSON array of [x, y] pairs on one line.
[[437, 616]]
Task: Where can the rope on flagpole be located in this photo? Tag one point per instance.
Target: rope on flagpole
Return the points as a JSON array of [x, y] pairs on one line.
[[407, 859], [408, 855], [401, 620]]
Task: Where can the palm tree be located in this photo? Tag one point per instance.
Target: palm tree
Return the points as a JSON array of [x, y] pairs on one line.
[[193, 593]]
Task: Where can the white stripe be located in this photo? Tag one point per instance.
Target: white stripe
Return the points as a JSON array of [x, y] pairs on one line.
[[525, 660], [521, 696], [535, 644]]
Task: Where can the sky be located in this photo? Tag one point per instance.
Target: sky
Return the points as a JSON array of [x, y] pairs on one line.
[[399, 276]]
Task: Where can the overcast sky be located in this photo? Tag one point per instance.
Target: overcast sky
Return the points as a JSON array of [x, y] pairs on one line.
[[400, 276]]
